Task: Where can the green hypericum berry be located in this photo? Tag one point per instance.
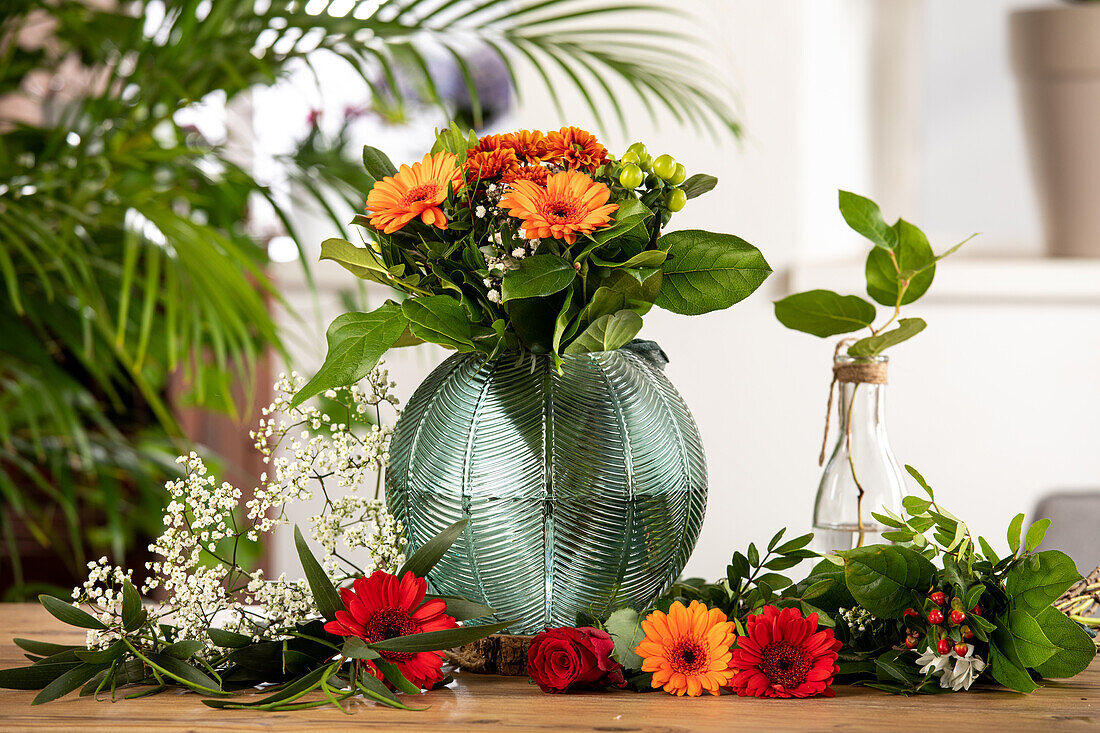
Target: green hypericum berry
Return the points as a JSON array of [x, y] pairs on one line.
[[631, 176], [646, 162], [629, 157], [665, 166], [675, 199], [638, 149], [679, 176]]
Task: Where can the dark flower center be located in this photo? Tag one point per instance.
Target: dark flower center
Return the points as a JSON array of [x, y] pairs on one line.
[[423, 192], [688, 657], [388, 623], [785, 664], [560, 211]]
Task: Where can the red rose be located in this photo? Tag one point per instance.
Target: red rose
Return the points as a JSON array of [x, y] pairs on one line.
[[567, 659]]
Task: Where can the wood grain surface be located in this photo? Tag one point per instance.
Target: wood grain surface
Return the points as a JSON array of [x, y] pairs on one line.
[[489, 703]]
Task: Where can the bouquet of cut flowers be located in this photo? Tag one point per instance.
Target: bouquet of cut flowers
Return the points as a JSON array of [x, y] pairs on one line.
[[530, 243]]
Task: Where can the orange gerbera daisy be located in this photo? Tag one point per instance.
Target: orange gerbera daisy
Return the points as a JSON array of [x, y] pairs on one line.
[[534, 173], [530, 145], [571, 203], [415, 191], [688, 649], [575, 148], [482, 165]]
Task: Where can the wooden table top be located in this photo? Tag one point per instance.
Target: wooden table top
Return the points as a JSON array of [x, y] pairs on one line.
[[489, 703]]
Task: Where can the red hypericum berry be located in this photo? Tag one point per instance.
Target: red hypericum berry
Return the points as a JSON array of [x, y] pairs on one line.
[[943, 646], [911, 642], [966, 632], [961, 649], [935, 616], [977, 610], [909, 612], [957, 617], [938, 597]]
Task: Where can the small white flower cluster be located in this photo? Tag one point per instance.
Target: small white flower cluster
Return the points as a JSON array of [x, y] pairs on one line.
[[205, 522], [956, 676], [858, 619]]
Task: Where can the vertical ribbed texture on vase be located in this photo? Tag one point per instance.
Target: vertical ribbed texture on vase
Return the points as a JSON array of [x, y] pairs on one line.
[[585, 490]]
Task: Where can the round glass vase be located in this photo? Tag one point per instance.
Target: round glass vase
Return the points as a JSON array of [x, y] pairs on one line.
[[862, 475], [585, 490]]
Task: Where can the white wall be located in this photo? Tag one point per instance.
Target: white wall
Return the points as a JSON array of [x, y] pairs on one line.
[[995, 402]]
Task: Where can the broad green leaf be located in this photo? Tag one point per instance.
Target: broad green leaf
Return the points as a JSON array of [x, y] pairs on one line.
[[874, 345], [1009, 673], [864, 216], [359, 261], [132, 617], [432, 551], [707, 271], [439, 319], [915, 504], [431, 641], [228, 639], [646, 258], [69, 614], [537, 276], [1021, 638], [1035, 534], [1035, 589], [67, 682], [607, 333], [883, 577], [915, 263], [1074, 647], [698, 184], [630, 214], [356, 341], [324, 594], [625, 628], [461, 608], [824, 313], [376, 163], [1014, 529], [356, 648]]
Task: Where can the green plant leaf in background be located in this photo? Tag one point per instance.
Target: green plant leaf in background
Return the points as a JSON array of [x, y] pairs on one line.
[[625, 628], [1009, 673], [431, 552], [324, 594], [359, 261], [864, 216], [707, 271], [607, 333], [824, 313], [356, 341], [1022, 640], [377, 164], [883, 577], [906, 329], [915, 259], [1037, 585], [537, 276], [439, 319], [698, 184], [1074, 649], [69, 614]]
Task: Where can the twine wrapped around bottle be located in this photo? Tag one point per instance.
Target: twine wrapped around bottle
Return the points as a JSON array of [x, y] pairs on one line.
[[856, 372]]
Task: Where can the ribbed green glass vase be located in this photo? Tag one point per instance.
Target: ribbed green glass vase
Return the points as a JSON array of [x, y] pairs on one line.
[[585, 490]]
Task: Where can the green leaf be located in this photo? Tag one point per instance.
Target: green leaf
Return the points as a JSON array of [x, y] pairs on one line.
[[537, 276], [45, 648], [324, 594], [356, 341], [67, 682], [101, 656], [920, 480], [864, 216], [707, 272], [431, 641], [1035, 534], [915, 263], [1014, 529], [629, 217], [461, 608], [1021, 638], [69, 614], [647, 258], [132, 616], [824, 313], [289, 692], [394, 677], [625, 628], [698, 184], [432, 551], [607, 333], [874, 345], [356, 648], [376, 163], [184, 649], [915, 504], [439, 319], [228, 639], [883, 577], [796, 544], [1035, 589], [359, 261], [1009, 673], [34, 676], [183, 671], [1074, 647]]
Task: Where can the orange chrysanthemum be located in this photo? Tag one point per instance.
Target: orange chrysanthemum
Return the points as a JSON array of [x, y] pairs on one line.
[[534, 173], [575, 148], [530, 145], [688, 649], [571, 203], [482, 165], [415, 191], [487, 143]]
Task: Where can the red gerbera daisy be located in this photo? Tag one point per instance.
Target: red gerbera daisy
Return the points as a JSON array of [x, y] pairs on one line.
[[783, 656], [382, 607]]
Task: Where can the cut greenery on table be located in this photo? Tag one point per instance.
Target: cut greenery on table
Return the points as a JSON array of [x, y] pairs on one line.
[[900, 268]]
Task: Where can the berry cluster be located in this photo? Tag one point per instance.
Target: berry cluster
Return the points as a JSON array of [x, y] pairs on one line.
[[661, 175], [940, 625]]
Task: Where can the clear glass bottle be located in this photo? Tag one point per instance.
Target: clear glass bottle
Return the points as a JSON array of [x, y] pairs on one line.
[[862, 475]]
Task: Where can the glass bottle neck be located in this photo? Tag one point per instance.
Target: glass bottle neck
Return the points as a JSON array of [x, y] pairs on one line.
[[863, 403]]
